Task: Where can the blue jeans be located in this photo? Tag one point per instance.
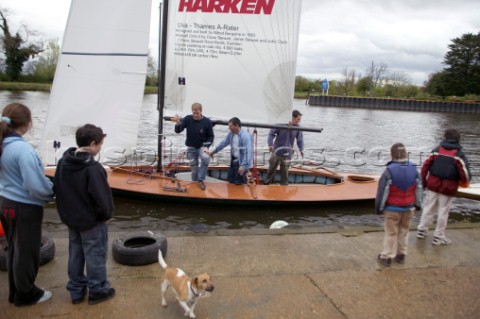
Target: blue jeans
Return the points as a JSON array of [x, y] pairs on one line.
[[234, 176], [88, 248], [193, 154]]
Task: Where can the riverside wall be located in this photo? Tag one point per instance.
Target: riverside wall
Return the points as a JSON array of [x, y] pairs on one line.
[[394, 104]]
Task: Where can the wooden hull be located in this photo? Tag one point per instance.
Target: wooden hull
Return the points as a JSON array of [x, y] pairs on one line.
[[139, 184], [471, 192]]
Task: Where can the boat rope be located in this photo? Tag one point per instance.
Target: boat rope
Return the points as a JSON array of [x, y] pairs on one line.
[[174, 162], [256, 174]]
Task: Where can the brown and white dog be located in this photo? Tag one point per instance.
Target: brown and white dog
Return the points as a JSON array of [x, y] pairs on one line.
[[188, 291]]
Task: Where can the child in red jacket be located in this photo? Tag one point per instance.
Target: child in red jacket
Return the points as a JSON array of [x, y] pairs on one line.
[[442, 171]]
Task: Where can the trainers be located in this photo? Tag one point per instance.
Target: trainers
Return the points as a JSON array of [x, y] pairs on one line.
[[441, 241], [386, 262], [400, 258], [421, 233], [202, 186], [95, 299], [46, 296]]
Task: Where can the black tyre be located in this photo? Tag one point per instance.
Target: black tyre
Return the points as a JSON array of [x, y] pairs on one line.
[[47, 252], [139, 248]]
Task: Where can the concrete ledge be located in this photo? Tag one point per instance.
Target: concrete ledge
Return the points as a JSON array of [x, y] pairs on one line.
[[287, 273]]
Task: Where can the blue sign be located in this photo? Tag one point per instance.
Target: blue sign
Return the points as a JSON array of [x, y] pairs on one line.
[[325, 84]]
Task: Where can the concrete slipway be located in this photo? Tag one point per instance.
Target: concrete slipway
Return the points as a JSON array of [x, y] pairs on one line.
[[286, 273]]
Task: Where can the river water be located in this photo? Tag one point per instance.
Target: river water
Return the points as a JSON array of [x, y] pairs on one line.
[[354, 140]]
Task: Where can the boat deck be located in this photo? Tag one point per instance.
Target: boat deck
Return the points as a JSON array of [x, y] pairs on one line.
[[159, 186]]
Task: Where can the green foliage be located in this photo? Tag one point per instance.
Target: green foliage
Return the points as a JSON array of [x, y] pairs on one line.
[[16, 49], [437, 84], [302, 84], [44, 69], [463, 61], [364, 85], [462, 74], [152, 72]]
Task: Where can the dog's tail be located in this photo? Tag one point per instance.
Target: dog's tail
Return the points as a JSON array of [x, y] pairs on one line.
[[161, 261]]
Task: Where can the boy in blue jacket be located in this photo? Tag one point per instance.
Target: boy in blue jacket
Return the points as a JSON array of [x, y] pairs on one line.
[[399, 193]]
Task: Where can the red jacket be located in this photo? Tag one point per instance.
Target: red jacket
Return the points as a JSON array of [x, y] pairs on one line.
[[444, 168]]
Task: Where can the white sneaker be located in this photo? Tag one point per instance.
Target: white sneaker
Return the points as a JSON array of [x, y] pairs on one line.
[[46, 296], [421, 233], [441, 241]]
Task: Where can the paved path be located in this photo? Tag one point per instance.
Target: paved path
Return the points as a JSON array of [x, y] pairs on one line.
[[305, 273]]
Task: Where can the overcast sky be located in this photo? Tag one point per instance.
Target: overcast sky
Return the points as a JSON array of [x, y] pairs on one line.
[[410, 36]]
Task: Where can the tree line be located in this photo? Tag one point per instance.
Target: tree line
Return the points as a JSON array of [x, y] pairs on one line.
[[27, 57]]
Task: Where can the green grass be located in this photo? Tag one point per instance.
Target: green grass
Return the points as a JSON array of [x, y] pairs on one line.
[[25, 86]]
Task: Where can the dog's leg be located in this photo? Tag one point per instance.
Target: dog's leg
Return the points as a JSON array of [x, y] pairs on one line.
[[188, 311], [164, 286], [192, 307]]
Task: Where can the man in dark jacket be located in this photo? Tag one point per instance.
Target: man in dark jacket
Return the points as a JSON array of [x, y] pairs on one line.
[[85, 204], [280, 144], [442, 171], [199, 138]]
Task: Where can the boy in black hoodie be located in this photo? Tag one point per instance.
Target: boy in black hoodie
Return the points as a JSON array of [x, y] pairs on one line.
[[85, 204], [443, 170]]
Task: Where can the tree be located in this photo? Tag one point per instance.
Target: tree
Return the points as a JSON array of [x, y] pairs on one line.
[[397, 80], [463, 65], [348, 81], [302, 84], [376, 73], [44, 69], [17, 48], [364, 85], [437, 84], [409, 90], [152, 72]]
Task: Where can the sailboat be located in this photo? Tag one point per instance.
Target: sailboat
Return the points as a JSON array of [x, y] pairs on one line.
[[238, 58]]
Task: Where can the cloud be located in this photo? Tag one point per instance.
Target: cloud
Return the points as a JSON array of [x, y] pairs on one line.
[[410, 36]]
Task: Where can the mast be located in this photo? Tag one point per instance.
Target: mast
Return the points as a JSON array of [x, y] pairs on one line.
[[162, 50]]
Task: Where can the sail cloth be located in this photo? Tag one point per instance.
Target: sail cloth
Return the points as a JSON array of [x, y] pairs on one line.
[[100, 75], [235, 57]]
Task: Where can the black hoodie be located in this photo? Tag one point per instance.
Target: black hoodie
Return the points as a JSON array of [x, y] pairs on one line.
[[84, 197]]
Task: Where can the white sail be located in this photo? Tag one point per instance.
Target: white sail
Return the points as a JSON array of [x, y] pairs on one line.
[[100, 75], [235, 57]]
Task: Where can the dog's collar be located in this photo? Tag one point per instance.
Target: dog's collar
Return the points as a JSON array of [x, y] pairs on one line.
[[193, 291]]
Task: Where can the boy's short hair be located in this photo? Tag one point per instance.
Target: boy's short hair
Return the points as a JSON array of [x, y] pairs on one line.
[[398, 151], [89, 133], [452, 135]]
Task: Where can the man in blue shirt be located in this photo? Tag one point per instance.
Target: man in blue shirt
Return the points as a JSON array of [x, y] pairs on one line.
[[241, 147], [280, 143]]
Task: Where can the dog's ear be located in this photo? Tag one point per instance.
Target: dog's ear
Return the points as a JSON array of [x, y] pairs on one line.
[[195, 281]]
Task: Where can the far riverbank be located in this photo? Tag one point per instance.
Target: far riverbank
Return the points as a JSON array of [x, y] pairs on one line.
[[395, 104]]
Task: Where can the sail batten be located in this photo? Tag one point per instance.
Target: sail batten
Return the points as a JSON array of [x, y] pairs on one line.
[[105, 53]]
